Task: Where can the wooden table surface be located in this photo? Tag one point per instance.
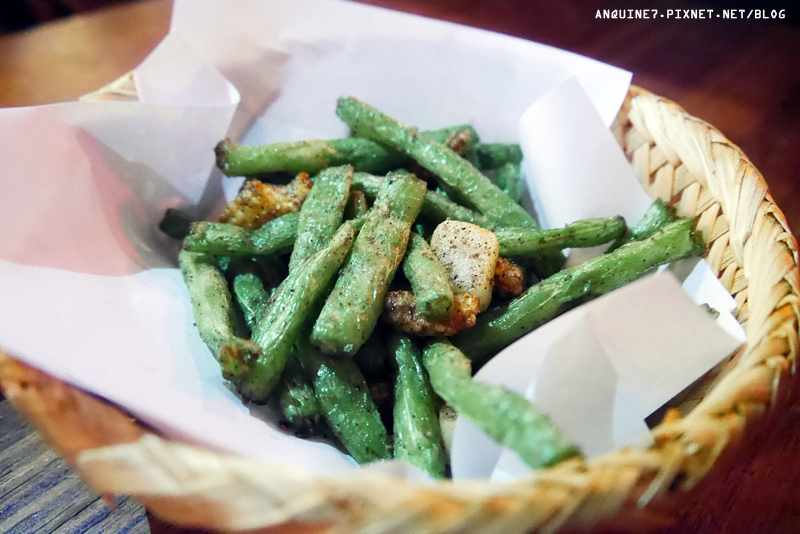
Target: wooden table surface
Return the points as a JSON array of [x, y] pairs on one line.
[[743, 76]]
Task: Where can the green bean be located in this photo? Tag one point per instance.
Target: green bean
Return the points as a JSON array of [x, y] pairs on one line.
[[507, 417], [515, 242], [429, 280], [496, 155], [462, 142], [275, 237], [442, 135], [321, 213], [235, 159], [461, 139], [214, 312], [417, 434], [294, 391], [472, 187], [436, 207], [541, 302], [249, 290], [475, 189], [297, 399], [287, 310], [509, 180], [175, 223], [346, 403], [320, 217], [657, 215], [354, 306]]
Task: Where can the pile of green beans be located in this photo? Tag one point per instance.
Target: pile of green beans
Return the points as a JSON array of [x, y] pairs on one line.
[[292, 310]]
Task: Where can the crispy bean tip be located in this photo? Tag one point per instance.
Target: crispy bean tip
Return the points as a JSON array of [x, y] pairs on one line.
[[222, 151]]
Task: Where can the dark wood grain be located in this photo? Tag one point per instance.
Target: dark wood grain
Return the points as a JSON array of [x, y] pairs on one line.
[[39, 493], [741, 76]]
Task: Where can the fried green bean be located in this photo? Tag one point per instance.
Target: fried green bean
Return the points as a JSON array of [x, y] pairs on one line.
[[474, 189], [235, 159], [501, 326], [429, 280], [463, 135], [436, 207], [297, 399], [274, 237], [509, 180], [417, 434], [354, 306], [496, 155], [287, 310], [345, 400], [507, 417], [213, 310], [657, 215], [294, 391], [321, 213], [175, 223], [249, 291], [516, 242], [462, 142], [471, 186]]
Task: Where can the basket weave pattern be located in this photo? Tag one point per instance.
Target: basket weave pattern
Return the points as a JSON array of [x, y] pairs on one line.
[[678, 158]]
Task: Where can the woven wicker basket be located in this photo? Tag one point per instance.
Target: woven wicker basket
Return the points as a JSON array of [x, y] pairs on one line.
[[678, 158]]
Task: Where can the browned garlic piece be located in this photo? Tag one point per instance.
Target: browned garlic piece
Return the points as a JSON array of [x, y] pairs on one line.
[[469, 255]]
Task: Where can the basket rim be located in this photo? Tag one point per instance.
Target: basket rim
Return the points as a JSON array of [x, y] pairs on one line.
[[578, 492]]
